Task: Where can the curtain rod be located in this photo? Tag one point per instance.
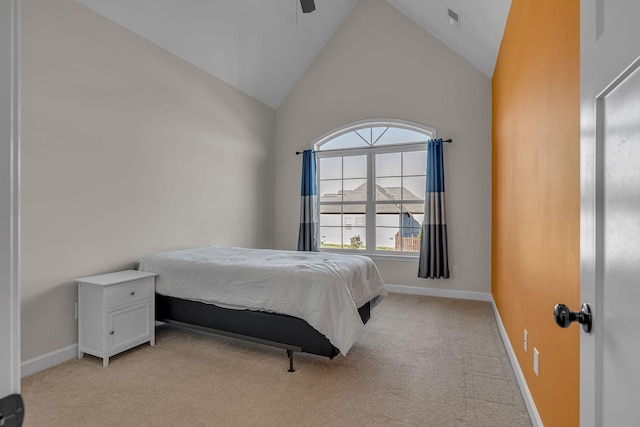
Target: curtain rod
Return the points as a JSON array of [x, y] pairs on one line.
[[444, 140]]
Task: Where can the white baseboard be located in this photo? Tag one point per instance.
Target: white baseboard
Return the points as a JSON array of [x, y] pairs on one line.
[[444, 293], [522, 382], [48, 360]]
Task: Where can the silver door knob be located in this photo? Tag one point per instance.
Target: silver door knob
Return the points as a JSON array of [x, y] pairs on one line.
[[564, 317]]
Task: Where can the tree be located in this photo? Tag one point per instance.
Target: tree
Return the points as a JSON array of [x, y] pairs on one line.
[[356, 242]]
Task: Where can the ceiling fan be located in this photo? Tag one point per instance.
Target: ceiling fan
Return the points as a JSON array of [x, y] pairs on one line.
[[308, 6]]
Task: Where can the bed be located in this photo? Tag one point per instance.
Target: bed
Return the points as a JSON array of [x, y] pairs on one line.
[[299, 301]]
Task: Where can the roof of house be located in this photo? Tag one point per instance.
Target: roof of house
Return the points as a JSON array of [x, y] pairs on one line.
[[359, 196]]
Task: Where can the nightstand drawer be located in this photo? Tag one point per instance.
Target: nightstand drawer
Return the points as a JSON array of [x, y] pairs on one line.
[[130, 292]]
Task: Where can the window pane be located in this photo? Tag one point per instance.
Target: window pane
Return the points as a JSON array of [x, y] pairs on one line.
[[376, 133], [389, 189], [330, 191], [410, 225], [347, 140], [413, 232], [414, 188], [410, 232], [409, 244], [388, 164], [330, 237], [408, 239], [354, 190], [353, 221], [416, 210], [385, 238], [385, 219], [355, 238], [331, 219], [414, 162], [388, 209], [331, 167], [331, 226], [401, 136], [355, 166], [388, 224], [358, 209], [364, 134]]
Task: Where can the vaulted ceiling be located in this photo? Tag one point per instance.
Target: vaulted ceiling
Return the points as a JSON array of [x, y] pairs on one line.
[[263, 47]]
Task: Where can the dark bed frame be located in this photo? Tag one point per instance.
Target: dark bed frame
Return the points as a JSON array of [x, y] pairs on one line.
[[279, 330]]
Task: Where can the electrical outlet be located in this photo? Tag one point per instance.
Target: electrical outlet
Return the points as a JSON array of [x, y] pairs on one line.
[[536, 362], [76, 311], [456, 270], [526, 340]]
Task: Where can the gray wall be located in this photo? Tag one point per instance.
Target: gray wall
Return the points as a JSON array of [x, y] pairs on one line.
[[126, 150], [380, 64]]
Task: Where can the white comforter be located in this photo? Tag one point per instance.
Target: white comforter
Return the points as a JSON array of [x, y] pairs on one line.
[[322, 288]]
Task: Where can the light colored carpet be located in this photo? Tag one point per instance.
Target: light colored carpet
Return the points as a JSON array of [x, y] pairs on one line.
[[420, 361]]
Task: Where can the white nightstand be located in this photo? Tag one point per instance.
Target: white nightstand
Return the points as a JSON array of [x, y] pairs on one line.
[[116, 311]]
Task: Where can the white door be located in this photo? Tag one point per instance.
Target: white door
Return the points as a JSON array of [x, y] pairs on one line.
[[9, 200], [610, 211]]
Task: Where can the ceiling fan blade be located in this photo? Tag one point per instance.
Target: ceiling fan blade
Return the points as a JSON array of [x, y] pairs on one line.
[[308, 6]]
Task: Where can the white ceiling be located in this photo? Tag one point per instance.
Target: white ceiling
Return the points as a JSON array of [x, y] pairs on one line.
[[264, 47], [482, 25]]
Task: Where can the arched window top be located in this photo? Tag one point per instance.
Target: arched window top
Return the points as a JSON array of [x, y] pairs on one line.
[[371, 178], [375, 133]]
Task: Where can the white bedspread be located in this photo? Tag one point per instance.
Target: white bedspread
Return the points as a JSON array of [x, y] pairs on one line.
[[322, 288]]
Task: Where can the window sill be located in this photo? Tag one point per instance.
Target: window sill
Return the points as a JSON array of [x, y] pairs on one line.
[[378, 256]]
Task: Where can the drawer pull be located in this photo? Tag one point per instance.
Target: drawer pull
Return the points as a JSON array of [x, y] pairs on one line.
[[111, 333], [133, 292]]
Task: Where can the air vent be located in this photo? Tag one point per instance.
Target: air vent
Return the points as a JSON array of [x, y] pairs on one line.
[[454, 19]]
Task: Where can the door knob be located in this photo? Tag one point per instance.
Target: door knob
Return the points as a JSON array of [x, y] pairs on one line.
[[564, 317]]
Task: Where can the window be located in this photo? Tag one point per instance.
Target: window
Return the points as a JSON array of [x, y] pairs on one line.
[[371, 181]]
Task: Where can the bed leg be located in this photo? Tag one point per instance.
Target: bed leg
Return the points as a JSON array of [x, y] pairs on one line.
[[290, 354]]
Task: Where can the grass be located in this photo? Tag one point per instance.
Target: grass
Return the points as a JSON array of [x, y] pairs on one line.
[[338, 246]]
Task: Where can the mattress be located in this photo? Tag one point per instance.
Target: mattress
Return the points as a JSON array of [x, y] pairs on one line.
[[324, 289]]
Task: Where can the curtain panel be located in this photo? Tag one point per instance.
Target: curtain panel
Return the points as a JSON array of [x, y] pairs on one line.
[[434, 257], [308, 232]]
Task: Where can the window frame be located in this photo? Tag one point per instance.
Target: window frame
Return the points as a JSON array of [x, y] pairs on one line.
[[370, 153]]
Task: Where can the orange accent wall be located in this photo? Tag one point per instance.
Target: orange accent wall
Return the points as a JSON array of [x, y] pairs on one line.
[[536, 196]]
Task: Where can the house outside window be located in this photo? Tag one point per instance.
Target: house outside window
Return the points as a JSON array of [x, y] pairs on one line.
[[371, 182]]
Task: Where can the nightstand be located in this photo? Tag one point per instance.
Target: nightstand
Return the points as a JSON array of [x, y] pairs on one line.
[[116, 311]]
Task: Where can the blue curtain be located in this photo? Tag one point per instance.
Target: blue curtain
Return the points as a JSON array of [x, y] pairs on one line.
[[308, 232], [434, 257]]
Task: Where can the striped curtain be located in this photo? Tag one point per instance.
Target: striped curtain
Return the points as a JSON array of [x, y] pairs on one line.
[[308, 232], [434, 258]]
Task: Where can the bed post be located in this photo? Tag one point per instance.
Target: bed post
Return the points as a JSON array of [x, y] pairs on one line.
[[290, 354]]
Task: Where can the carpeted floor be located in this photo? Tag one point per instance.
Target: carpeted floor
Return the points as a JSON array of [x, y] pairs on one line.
[[420, 361]]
